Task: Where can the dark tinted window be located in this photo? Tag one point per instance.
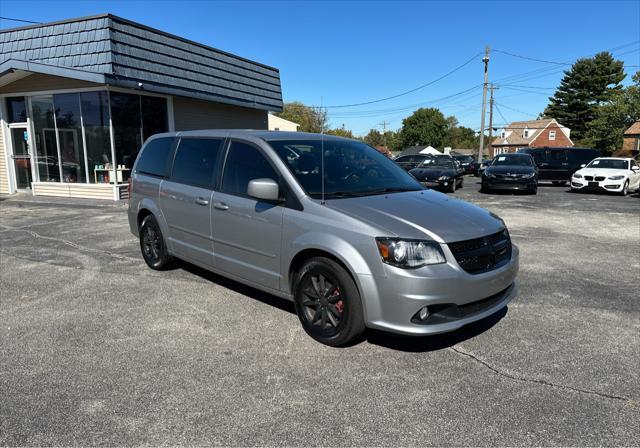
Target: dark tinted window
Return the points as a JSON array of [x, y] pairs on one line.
[[538, 155], [244, 163], [195, 162], [17, 110], [154, 115], [404, 159], [557, 155], [154, 157]]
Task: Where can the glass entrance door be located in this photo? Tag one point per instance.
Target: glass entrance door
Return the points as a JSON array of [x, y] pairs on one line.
[[21, 156]]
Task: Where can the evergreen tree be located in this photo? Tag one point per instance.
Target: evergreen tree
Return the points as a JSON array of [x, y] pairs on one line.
[[589, 83]]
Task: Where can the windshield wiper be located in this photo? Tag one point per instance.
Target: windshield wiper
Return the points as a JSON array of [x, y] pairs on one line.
[[388, 190]]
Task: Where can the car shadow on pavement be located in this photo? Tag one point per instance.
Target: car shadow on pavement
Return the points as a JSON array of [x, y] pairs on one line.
[[376, 337], [417, 344], [256, 294]]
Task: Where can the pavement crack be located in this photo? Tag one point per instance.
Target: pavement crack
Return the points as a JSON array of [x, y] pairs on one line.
[[523, 379], [71, 244]]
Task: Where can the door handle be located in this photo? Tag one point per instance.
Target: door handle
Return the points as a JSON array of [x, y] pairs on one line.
[[221, 206], [202, 201]]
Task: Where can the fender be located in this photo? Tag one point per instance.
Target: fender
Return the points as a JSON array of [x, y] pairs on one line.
[[152, 206]]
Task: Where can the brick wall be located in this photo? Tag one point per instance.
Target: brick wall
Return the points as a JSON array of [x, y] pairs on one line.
[[544, 140]]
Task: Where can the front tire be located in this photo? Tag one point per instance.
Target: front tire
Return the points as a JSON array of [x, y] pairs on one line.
[[152, 245], [625, 188], [328, 303], [452, 188]]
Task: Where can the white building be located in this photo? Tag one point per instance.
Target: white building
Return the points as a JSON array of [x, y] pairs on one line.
[[280, 124]]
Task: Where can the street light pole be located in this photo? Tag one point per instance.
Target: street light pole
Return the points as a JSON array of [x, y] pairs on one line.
[[485, 59]]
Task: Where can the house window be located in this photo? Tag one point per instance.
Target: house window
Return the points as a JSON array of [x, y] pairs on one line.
[[525, 134], [552, 135], [502, 134]]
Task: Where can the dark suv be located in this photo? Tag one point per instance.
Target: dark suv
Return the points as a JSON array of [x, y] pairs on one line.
[[411, 161], [557, 164]]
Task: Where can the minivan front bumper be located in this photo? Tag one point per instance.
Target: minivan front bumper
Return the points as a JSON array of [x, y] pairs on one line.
[[454, 297]]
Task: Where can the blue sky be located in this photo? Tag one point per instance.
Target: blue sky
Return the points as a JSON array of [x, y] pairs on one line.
[[338, 53]]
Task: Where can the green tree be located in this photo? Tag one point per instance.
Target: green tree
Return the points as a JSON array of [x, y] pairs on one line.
[[589, 83], [310, 119], [341, 132], [612, 118], [389, 139], [460, 136], [426, 126]]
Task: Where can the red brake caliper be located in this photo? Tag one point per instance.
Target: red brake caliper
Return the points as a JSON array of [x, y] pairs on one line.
[[340, 303]]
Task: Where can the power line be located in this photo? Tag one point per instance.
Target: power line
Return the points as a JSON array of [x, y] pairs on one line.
[[20, 20], [519, 111], [531, 59], [408, 91]]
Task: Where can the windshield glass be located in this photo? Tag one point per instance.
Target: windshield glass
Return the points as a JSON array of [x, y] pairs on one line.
[[464, 159], [512, 160], [608, 163], [350, 168], [438, 162]]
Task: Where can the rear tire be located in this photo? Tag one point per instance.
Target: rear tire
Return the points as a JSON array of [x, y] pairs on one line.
[[152, 245], [328, 303]]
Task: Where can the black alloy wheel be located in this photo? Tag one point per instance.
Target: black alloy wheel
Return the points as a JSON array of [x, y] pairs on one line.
[[328, 303], [152, 245]]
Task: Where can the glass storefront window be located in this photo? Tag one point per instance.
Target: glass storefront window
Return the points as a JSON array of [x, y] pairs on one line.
[[125, 118], [46, 148], [72, 133], [67, 107], [95, 117], [154, 116], [17, 109]]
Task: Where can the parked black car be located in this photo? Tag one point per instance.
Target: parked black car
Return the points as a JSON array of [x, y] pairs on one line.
[[557, 164], [480, 167], [511, 172], [467, 164], [441, 172], [411, 161]]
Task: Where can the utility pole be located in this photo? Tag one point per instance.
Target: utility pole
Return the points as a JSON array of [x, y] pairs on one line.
[[384, 125], [492, 88], [485, 59]]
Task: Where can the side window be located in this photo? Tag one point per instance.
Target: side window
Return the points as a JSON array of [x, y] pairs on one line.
[[195, 162], [538, 156], [403, 159], [245, 163], [556, 155], [633, 163], [154, 157]]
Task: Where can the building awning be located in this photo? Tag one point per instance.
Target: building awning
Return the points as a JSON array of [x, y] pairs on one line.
[[14, 69]]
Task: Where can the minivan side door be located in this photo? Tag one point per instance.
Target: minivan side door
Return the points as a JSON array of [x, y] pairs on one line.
[[247, 232], [186, 196]]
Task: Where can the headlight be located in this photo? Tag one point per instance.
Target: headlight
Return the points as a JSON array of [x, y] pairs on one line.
[[443, 178], [409, 253], [616, 177], [528, 176], [577, 176]]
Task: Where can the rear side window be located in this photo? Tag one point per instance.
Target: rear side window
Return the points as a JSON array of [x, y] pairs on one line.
[[153, 159], [195, 162], [245, 163]]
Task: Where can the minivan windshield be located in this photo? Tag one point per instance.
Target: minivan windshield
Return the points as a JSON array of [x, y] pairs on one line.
[[513, 160], [438, 162], [609, 163], [350, 168]]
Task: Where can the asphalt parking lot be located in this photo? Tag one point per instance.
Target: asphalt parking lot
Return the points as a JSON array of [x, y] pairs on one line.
[[96, 349]]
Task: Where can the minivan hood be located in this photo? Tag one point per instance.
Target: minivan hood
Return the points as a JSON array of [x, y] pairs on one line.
[[425, 214]]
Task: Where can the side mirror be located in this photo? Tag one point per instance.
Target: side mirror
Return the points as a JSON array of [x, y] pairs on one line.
[[583, 165], [635, 168], [264, 189]]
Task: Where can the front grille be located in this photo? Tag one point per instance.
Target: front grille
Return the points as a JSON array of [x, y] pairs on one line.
[[600, 178], [588, 177], [483, 254]]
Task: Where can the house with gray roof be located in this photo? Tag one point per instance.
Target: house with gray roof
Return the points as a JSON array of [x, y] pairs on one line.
[[79, 97]]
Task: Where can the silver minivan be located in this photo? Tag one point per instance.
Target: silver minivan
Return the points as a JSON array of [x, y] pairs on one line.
[[327, 222]]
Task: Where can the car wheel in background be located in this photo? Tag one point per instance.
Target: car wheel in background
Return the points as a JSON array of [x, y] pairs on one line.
[[328, 303], [152, 245], [452, 188], [625, 188], [461, 182]]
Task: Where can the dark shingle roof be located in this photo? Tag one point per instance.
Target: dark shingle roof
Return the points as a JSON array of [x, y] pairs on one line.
[[128, 53]]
